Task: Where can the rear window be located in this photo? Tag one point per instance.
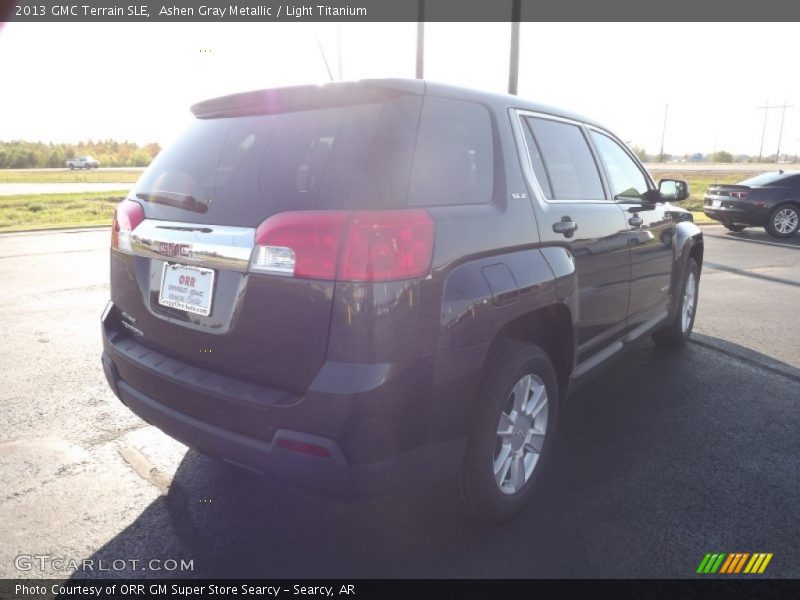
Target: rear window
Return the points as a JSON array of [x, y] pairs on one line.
[[238, 171], [772, 178]]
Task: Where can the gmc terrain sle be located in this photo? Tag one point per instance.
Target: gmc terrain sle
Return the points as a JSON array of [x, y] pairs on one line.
[[364, 286]]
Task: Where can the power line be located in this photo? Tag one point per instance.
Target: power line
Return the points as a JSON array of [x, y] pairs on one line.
[[766, 108], [780, 131]]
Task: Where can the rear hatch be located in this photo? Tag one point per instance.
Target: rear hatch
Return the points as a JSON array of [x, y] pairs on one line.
[[726, 195], [182, 278]]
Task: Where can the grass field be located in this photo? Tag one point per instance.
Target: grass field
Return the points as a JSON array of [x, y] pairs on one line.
[[67, 176], [44, 211], [699, 181]]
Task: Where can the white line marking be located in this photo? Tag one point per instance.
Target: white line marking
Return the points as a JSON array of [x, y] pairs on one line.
[[738, 239]]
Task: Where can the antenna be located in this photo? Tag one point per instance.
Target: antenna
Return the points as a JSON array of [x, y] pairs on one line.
[[324, 58], [339, 49]]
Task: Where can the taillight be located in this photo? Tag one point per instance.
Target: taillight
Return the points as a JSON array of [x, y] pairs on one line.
[[387, 245], [348, 246], [127, 217], [303, 244], [740, 195]]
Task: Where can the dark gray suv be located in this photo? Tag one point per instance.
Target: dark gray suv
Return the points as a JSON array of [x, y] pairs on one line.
[[365, 286]]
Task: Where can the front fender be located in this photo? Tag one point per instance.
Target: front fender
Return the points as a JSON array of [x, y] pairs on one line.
[[687, 237]]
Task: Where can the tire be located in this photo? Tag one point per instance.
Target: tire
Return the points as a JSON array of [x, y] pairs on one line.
[[783, 221], [736, 228], [72, 167], [677, 332], [482, 492]]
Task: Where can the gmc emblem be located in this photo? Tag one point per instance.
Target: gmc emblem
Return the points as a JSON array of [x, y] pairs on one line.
[[172, 249]]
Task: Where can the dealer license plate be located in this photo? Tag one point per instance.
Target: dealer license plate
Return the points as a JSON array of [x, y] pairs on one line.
[[187, 288]]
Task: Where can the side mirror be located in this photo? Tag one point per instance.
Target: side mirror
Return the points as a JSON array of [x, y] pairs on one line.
[[675, 190]]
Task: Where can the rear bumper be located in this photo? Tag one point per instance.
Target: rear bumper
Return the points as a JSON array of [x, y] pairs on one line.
[[360, 445], [744, 214]]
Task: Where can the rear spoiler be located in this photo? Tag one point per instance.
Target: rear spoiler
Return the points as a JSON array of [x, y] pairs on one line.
[[306, 97], [728, 186]]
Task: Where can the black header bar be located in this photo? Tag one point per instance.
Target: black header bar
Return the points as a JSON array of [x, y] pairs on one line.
[[105, 11]]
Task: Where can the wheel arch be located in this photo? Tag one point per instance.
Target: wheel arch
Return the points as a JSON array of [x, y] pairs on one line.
[[550, 328]]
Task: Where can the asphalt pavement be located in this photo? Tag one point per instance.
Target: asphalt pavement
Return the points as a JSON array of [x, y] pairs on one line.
[[665, 457]]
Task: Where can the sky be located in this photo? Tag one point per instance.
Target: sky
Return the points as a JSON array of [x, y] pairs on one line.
[[136, 81]]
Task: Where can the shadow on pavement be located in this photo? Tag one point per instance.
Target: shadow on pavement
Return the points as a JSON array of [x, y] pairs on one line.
[[665, 457], [757, 234]]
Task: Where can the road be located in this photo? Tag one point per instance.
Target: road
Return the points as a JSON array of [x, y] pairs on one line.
[[721, 167], [665, 457], [14, 189]]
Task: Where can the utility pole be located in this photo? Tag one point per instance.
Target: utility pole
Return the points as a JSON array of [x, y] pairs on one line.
[[663, 133], [766, 108], [763, 129], [420, 38], [513, 59], [780, 132]]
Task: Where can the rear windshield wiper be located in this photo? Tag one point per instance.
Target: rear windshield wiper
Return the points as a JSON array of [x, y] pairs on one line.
[[184, 201]]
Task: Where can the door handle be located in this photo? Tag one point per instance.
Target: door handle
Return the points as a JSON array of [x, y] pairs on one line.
[[635, 221], [566, 226]]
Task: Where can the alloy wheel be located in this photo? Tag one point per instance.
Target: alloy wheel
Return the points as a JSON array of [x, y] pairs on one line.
[[520, 434]]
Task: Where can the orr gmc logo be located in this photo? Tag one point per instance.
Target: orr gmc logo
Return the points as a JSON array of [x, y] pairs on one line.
[[173, 249]]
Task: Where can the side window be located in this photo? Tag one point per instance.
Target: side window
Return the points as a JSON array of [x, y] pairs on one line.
[[536, 160], [567, 161], [626, 178], [454, 157]]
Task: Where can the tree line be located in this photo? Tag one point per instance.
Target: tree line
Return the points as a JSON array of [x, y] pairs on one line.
[[720, 156], [19, 154]]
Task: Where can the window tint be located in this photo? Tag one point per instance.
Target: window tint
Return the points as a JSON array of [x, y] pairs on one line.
[[238, 171], [453, 161], [626, 178], [567, 160], [536, 160], [772, 178]]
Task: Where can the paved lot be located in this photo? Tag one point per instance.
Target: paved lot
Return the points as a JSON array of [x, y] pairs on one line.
[[664, 458]]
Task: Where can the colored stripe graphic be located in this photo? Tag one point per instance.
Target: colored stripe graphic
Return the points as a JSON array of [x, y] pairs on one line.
[[734, 563], [702, 566], [717, 563], [711, 563], [764, 564], [754, 563], [727, 564], [740, 564]]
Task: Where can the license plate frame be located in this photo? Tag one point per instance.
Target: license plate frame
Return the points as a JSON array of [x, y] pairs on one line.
[[204, 307]]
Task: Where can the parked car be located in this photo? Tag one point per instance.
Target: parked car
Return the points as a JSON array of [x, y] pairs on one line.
[[770, 200], [367, 286], [84, 162]]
